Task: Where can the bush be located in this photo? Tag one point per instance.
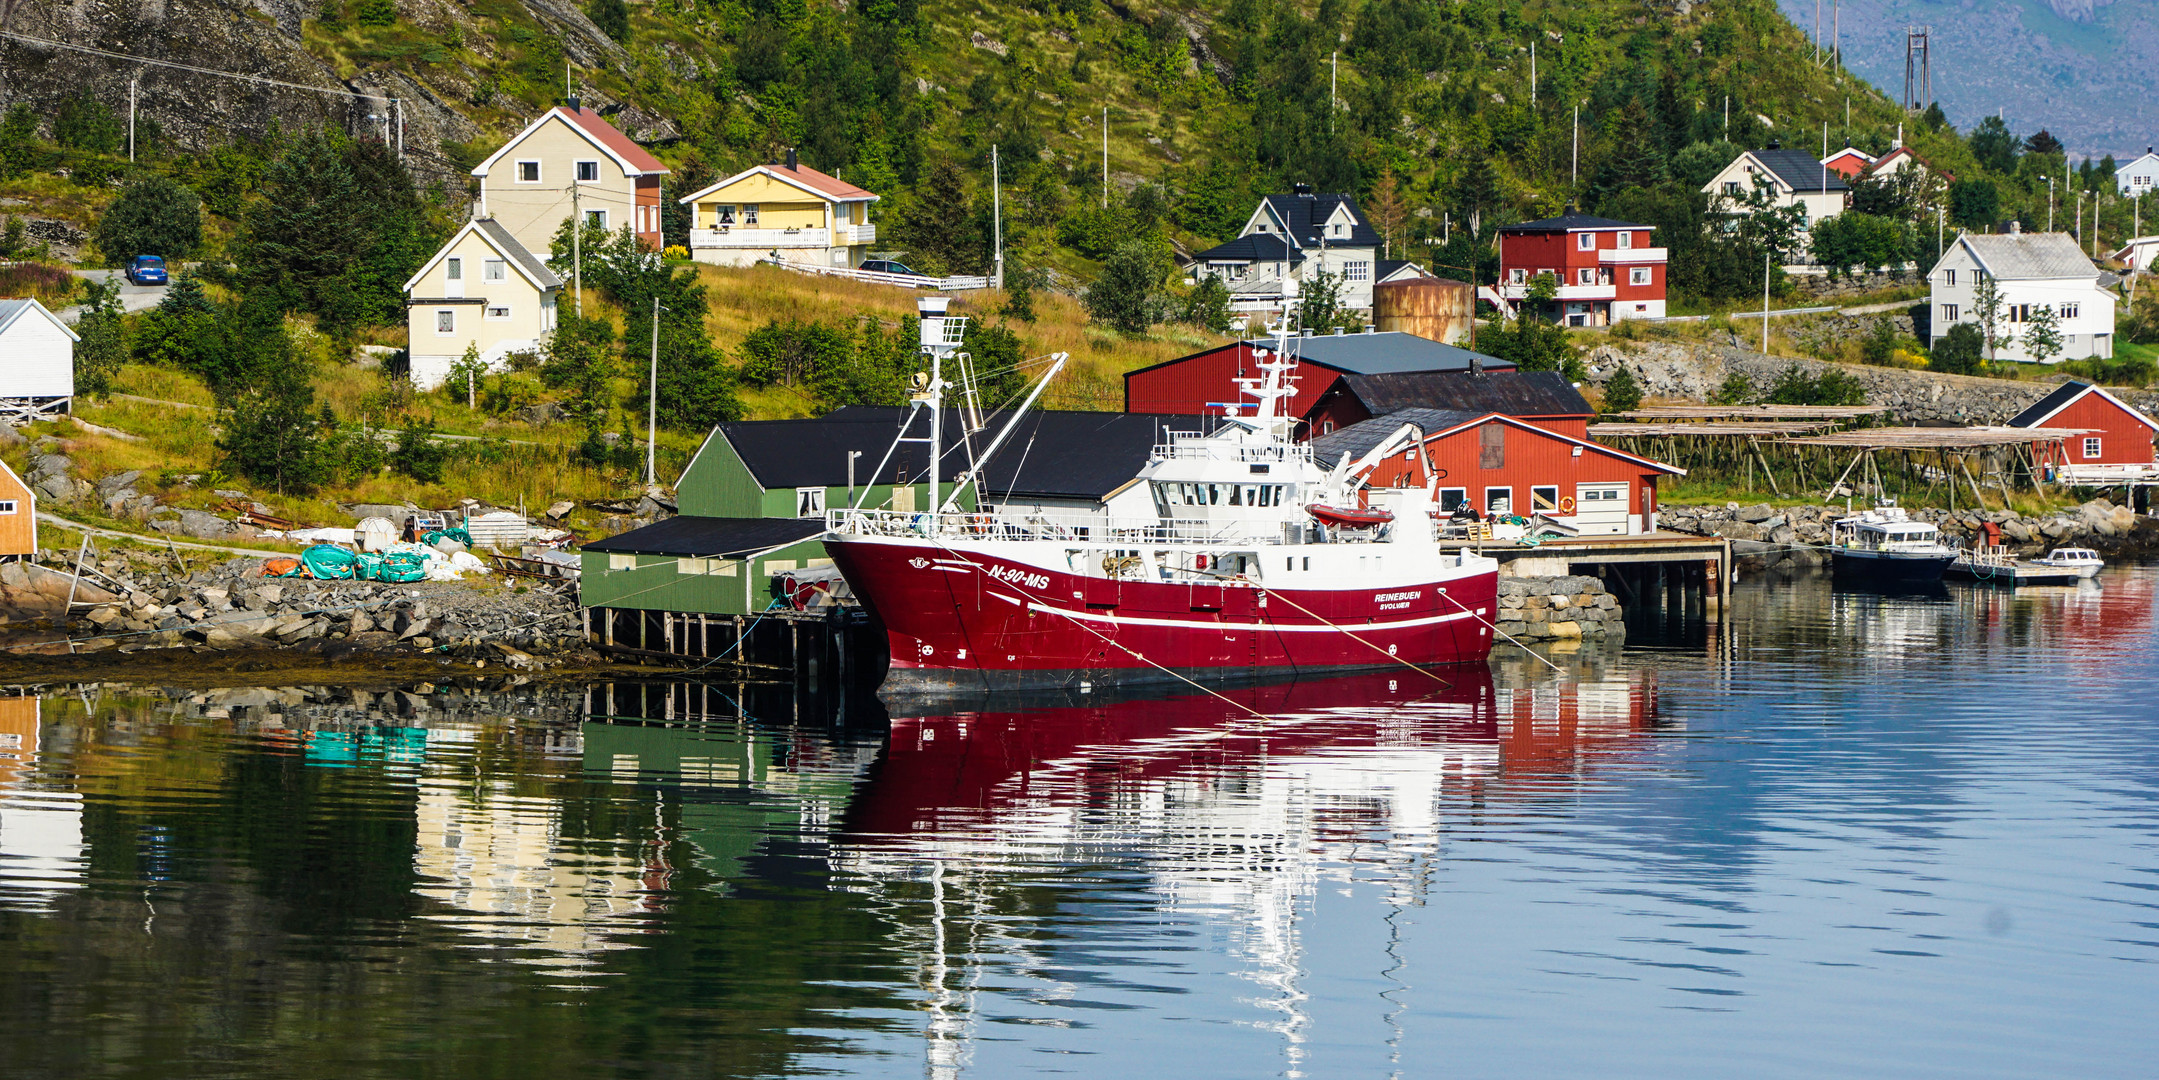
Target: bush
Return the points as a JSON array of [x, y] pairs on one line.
[[1124, 296], [1622, 393], [85, 123], [419, 454], [1737, 390], [1961, 351], [613, 19], [154, 216], [377, 13]]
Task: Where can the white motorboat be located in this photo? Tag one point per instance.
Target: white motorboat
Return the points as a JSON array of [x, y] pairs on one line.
[[2084, 561]]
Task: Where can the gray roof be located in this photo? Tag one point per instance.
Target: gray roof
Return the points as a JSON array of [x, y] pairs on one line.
[[2025, 256], [1571, 221], [1515, 393], [1800, 171], [1380, 353], [1252, 247], [531, 264], [1305, 216]]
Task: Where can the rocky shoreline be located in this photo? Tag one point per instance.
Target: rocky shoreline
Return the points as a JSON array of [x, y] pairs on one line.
[[1558, 609], [1799, 535]]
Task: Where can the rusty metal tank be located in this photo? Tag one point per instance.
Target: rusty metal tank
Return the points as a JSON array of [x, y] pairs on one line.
[[1437, 308]]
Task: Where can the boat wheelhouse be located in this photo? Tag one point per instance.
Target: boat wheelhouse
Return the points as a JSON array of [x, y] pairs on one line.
[[1885, 547]]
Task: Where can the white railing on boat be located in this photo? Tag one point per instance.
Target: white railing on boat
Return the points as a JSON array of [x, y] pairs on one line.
[[1196, 445], [1069, 528]]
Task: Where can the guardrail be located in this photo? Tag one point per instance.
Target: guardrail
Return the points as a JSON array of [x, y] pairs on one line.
[[1075, 528], [955, 283]]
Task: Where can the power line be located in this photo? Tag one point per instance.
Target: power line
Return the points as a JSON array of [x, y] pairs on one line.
[[258, 79]]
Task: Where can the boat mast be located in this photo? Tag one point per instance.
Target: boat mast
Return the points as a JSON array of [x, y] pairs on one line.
[[941, 336]]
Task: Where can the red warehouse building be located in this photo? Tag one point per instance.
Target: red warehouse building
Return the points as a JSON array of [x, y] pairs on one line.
[[1607, 269], [2117, 444], [1502, 465], [1544, 398], [1203, 382]]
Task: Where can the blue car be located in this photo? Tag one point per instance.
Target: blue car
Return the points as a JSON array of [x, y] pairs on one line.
[[146, 270]]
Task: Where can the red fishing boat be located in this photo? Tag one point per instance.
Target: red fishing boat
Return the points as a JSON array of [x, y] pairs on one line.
[[1231, 578]]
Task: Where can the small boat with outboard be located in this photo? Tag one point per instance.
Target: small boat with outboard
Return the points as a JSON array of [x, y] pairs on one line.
[[2084, 561], [1885, 548]]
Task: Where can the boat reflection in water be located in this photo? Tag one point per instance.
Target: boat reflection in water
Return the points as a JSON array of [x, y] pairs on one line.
[[1233, 808]]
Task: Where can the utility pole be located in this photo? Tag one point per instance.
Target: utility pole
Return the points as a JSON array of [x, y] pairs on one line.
[[1765, 303], [997, 215], [1532, 71], [400, 103], [1941, 236], [1574, 164], [1105, 157], [1334, 70], [1817, 33], [577, 245], [652, 399], [1727, 114], [2050, 204], [131, 118]]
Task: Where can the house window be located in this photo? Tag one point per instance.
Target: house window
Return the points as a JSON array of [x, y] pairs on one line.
[[453, 269], [1949, 277], [843, 213], [2091, 447], [1338, 230], [1626, 240], [494, 269], [1451, 499], [1731, 188], [1326, 427], [446, 321], [622, 562], [1358, 270], [1499, 500], [498, 311], [1492, 446], [7, 506], [1544, 499], [1949, 313], [1518, 276], [597, 219], [749, 213], [528, 172], [693, 566], [1637, 275], [1585, 276], [1585, 241], [727, 214], [588, 172], [2013, 312], [809, 502], [2069, 311]]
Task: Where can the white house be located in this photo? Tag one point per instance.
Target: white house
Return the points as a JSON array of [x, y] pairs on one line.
[[37, 359], [482, 290], [2031, 271], [1291, 238], [1794, 177], [2141, 253], [2139, 177]]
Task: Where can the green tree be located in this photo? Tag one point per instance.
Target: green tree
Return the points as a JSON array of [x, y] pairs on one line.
[[19, 149], [419, 454], [581, 363], [939, 226], [377, 13], [1736, 389], [1987, 307], [1958, 352], [2043, 333], [1994, 145], [1621, 392], [1125, 295], [466, 371], [613, 19], [337, 232], [270, 431], [1207, 306], [153, 216], [103, 329], [1319, 304], [1852, 239], [1974, 203], [85, 123], [1880, 345]]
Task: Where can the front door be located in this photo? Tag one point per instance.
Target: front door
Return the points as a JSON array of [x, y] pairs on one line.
[[1601, 509]]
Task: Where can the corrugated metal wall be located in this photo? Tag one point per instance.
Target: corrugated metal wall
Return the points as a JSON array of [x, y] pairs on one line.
[[1185, 387], [657, 583]]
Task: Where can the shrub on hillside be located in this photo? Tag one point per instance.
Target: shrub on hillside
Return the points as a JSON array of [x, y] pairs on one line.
[[153, 216]]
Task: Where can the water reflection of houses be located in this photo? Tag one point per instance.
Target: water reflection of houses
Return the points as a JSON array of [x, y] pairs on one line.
[[41, 844], [1237, 811]]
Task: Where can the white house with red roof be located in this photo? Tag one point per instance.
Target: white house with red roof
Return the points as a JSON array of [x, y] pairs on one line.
[[786, 210], [570, 161]]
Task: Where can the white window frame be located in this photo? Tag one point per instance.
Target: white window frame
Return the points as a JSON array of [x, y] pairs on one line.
[[453, 268], [518, 173], [1551, 504], [7, 507], [1357, 270], [1626, 240], [1586, 275], [2091, 447], [2069, 310], [1459, 494], [598, 218], [495, 312], [1949, 313], [446, 315], [686, 565], [1639, 275], [1518, 276], [1949, 276], [723, 215], [621, 562], [594, 163], [1506, 489], [809, 502], [494, 270], [749, 215], [1585, 241]]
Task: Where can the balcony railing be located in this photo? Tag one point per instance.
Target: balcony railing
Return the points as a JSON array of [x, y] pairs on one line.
[[1630, 255], [761, 238], [1079, 528], [1605, 291]]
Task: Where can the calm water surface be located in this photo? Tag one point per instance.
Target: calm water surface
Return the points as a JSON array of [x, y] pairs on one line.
[[1855, 836]]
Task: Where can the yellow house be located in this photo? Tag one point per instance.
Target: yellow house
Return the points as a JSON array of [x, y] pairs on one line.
[[791, 210], [528, 184], [484, 290]]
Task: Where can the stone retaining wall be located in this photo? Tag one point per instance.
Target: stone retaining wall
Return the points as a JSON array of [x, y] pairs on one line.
[[1800, 534], [1558, 608]]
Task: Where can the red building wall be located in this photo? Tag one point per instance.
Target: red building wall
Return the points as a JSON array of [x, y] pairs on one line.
[[1532, 458], [1185, 386], [645, 217], [2123, 439]]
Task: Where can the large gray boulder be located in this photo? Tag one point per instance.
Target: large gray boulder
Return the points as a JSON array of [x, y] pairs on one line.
[[195, 523]]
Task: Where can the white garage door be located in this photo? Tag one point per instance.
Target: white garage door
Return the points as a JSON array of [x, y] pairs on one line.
[[1600, 509]]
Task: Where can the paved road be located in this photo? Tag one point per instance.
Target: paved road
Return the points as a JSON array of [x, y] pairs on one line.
[[132, 297]]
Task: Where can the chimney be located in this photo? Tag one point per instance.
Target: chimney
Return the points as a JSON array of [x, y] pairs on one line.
[[792, 164], [1775, 144], [1302, 190], [2015, 227], [575, 103]]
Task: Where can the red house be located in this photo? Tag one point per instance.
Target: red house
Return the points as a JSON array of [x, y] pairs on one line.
[[2116, 448], [1203, 382], [1849, 162], [1544, 398], [1503, 465], [1607, 269]]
